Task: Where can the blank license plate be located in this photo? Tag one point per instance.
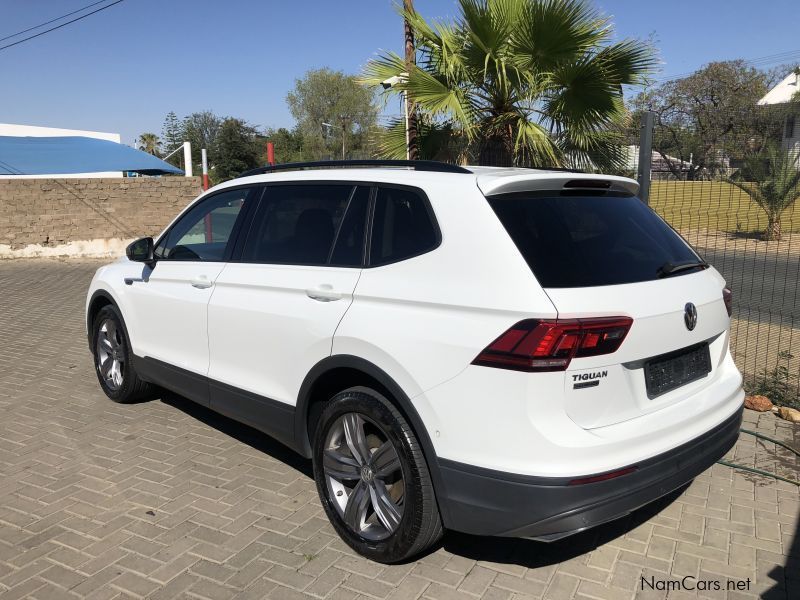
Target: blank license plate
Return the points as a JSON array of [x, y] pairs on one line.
[[667, 372]]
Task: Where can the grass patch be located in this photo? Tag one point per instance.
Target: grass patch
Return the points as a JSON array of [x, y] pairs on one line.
[[714, 205]]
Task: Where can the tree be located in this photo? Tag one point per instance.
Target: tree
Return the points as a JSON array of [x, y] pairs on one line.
[[200, 129], [772, 180], [149, 142], [288, 144], [705, 118], [172, 136], [329, 97], [235, 149], [525, 81]]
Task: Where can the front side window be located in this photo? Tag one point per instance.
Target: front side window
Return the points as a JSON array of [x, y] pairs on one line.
[[584, 241], [402, 226], [313, 224], [203, 233]]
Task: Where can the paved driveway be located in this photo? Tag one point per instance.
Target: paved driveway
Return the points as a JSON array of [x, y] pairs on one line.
[[164, 499]]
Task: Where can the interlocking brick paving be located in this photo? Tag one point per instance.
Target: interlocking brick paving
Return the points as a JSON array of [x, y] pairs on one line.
[[164, 499]]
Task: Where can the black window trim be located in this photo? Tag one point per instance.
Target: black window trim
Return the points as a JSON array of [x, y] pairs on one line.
[[253, 198], [431, 215]]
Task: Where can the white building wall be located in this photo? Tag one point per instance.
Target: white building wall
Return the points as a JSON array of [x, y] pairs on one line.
[[12, 130]]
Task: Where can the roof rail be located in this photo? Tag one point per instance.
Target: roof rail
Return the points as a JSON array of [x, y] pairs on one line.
[[419, 165]]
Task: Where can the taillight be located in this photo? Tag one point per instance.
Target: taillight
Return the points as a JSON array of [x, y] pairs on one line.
[[534, 345], [727, 296]]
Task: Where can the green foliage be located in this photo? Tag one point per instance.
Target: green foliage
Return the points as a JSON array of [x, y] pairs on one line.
[[172, 137], [524, 82], [332, 97], [236, 148], [704, 119], [779, 384], [149, 142], [772, 180], [201, 129], [288, 145]]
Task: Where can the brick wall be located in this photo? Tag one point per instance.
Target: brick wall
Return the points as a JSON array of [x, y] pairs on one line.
[[87, 217]]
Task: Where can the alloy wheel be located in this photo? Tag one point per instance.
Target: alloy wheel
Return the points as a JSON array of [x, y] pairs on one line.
[[110, 354], [364, 476]]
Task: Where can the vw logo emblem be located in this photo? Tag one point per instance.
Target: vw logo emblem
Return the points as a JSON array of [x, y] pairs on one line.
[[366, 474], [690, 316]]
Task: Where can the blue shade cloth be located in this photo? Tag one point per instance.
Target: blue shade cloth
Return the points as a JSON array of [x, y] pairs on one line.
[[75, 154]]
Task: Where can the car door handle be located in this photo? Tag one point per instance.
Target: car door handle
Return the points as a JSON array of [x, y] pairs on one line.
[[202, 282], [324, 293]]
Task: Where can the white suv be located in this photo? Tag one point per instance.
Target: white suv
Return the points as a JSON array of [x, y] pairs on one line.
[[498, 351]]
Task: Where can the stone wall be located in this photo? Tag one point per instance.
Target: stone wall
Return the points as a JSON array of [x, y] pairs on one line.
[[87, 217]]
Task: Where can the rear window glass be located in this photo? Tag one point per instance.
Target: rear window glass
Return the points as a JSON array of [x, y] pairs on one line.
[[583, 241]]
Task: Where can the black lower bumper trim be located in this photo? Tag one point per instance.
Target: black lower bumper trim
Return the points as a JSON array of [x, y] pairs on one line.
[[486, 502]]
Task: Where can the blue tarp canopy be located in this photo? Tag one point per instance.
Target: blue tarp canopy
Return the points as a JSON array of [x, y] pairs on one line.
[[74, 154]]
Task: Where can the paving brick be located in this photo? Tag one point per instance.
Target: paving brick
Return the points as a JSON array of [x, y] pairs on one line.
[[80, 474]]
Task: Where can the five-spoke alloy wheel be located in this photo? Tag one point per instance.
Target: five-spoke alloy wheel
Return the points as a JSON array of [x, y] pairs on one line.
[[372, 477], [110, 353], [112, 358]]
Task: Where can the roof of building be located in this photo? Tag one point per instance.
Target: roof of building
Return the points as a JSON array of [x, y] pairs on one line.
[[784, 91], [74, 154]]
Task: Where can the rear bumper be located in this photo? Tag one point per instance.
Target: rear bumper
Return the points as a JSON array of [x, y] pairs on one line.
[[486, 502]]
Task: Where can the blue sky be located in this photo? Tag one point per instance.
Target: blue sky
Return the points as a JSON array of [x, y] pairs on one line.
[[123, 69]]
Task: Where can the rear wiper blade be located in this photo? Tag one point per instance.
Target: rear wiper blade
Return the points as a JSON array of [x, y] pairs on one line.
[[670, 268]]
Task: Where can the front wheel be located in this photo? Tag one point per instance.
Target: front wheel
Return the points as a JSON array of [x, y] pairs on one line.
[[372, 478], [112, 358]]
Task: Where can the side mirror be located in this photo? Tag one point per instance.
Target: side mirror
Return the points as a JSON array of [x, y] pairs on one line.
[[141, 251]]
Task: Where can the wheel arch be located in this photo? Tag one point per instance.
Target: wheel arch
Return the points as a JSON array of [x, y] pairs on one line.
[[98, 300], [335, 373]]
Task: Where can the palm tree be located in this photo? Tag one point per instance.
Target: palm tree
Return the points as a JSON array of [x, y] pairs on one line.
[[772, 180], [150, 143], [525, 82]]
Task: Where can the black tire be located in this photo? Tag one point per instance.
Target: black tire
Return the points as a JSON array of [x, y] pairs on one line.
[[420, 525], [131, 387]]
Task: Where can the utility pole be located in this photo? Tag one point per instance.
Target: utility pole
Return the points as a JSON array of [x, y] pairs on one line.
[[410, 109], [344, 135]]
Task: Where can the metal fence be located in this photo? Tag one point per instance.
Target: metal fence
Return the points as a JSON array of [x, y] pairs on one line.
[[729, 189]]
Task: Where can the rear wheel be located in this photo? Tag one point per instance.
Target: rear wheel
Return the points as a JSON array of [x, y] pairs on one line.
[[112, 358], [372, 477]]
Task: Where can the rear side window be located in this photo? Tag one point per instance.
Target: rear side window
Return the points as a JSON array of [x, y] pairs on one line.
[[402, 226], [575, 241], [299, 225]]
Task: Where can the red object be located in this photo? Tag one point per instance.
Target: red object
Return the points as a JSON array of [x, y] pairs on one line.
[[271, 153], [603, 477], [534, 345], [209, 233], [205, 181], [727, 297]]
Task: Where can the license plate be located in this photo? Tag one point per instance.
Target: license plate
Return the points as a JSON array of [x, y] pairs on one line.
[[667, 372]]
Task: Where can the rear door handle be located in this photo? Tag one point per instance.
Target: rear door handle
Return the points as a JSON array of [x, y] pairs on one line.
[[324, 293], [202, 282]]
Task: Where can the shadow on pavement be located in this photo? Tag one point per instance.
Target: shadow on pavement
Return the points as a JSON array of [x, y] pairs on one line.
[[243, 433], [527, 553]]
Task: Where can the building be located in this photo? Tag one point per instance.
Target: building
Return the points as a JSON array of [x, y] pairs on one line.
[[787, 91], [8, 129]]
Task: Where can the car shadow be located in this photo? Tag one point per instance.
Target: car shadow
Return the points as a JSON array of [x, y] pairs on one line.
[[517, 551], [240, 432]]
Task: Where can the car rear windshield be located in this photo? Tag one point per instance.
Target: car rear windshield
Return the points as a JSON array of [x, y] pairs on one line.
[[583, 241]]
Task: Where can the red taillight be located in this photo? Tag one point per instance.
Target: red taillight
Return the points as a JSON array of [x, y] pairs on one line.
[[727, 296], [535, 345], [603, 477]]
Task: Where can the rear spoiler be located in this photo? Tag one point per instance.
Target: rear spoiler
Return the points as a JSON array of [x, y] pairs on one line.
[[496, 184]]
